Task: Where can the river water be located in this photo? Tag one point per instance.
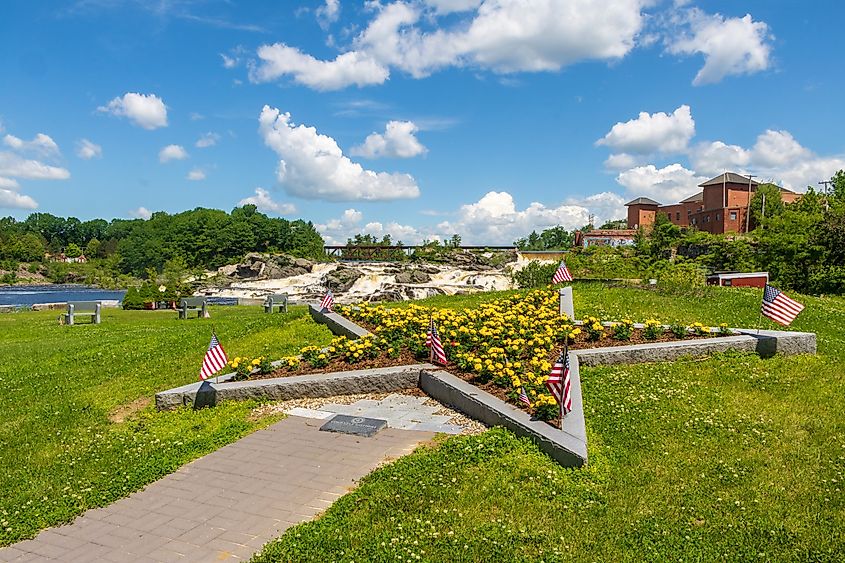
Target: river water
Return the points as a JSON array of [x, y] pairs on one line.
[[24, 295]]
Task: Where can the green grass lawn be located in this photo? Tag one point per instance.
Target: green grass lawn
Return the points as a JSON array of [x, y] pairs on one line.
[[732, 458], [78, 429]]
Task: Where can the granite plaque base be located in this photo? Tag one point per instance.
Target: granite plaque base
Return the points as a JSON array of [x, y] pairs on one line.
[[356, 425]]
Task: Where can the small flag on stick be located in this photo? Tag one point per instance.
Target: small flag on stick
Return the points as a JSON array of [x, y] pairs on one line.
[[778, 307], [215, 359], [562, 274], [327, 302], [523, 397], [559, 383], [436, 352]]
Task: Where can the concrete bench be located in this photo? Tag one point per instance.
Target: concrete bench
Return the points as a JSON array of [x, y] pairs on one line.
[[83, 309], [188, 305], [279, 300]]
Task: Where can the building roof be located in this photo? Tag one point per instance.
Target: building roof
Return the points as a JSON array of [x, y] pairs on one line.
[[642, 201], [694, 198], [727, 177]]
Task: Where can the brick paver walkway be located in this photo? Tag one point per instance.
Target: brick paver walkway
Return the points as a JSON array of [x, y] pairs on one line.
[[228, 504]]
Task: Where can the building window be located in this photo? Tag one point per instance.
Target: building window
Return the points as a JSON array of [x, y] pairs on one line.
[[677, 215], [733, 215], [694, 220], [707, 218], [718, 216]]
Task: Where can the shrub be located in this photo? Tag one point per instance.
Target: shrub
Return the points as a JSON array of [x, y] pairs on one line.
[[534, 274], [315, 357], [132, 299], [724, 330], [593, 328], [545, 407], [699, 329], [681, 277], [678, 330]]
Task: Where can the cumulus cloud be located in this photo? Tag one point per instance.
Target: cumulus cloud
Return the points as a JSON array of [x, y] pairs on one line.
[[16, 166], [141, 213], [717, 157], [652, 133], [502, 36], [669, 184], [313, 166], [10, 199], [264, 202], [328, 13], [207, 140], [620, 161], [144, 110], [196, 175], [731, 46], [495, 219], [42, 145], [172, 152], [397, 141], [337, 231], [9, 183], [86, 150]]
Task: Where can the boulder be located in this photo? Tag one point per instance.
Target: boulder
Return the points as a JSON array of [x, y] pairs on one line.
[[341, 279]]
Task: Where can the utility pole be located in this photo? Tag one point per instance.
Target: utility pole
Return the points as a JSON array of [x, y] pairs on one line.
[[748, 209]]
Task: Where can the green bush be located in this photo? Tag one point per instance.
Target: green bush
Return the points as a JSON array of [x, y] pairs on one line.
[[534, 274], [681, 277], [132, 299]]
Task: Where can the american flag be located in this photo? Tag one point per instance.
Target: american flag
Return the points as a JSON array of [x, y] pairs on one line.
[[523, 397], [433, 340], [778, 307], [215, 359], [562, 274], [559, 383], [327, 302]]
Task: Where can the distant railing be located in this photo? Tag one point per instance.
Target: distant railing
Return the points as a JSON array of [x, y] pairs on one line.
[[377, 252]]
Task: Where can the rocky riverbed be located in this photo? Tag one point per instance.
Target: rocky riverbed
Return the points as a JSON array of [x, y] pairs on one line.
[[261, 274]]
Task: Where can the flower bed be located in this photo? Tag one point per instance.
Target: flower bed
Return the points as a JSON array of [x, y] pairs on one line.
[[500, 346]]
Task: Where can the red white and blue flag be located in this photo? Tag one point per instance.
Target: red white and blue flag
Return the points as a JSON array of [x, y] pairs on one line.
[[215, 359], [523, 397], [562, 274], [559, 383], [437, 354], [327, 302], [778, 307]]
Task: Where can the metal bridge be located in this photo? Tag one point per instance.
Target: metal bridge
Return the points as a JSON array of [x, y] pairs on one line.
[[378, 252]]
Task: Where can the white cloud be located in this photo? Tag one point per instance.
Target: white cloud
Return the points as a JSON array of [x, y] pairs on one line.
[[346, 69], [451, 6], [229, 62], [717, 157], [86, 150], [337, 231], [652, 133], [9, 183], [778, 149], [141, 213], [11, 199], [495, 219], [731, 46], [328, 13], [398, 141], [196, 175], [207, 140], [669, 184], [313, 166], [41, 144], [264, 202], [501, 35], [19, 167], [620, 161], [172, 152], [145, 110]]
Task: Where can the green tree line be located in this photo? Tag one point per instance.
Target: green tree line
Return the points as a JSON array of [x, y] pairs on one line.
[[203, 238]]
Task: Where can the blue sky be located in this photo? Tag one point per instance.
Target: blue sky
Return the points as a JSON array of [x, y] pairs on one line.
[[419, 118]]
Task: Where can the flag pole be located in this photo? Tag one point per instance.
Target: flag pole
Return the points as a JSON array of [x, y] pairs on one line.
[[430, 338], [217, 376], [566, 362], [760, 319]]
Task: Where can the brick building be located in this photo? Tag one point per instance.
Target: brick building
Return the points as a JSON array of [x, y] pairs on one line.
[[720, 207]]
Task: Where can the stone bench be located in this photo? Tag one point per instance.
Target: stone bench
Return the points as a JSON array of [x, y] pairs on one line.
[[278, 300], [83, 309], [188, 305]]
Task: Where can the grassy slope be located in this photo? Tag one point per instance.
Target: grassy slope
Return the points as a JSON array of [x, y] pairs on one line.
[[59, 451], [729, 458]]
